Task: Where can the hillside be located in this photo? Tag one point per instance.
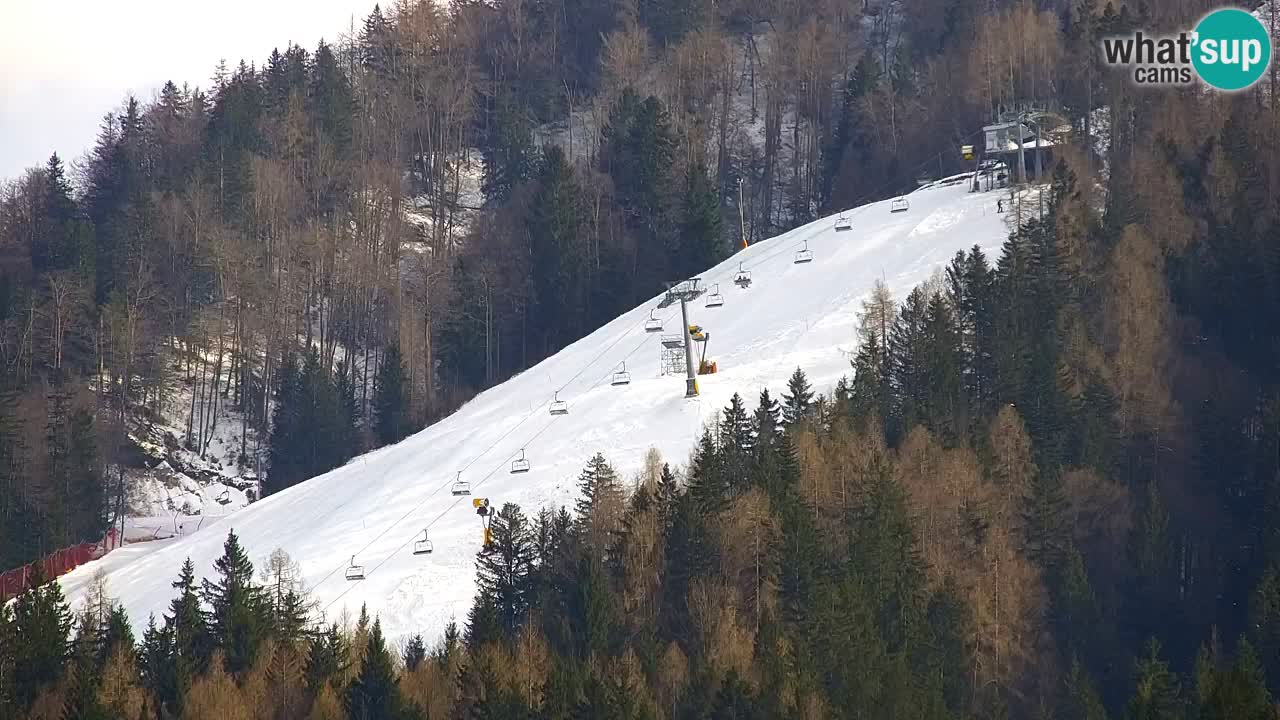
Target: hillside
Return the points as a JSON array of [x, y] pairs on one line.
[[376, 505]]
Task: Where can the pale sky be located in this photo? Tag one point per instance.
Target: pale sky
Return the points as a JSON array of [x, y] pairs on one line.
[[65, 63]]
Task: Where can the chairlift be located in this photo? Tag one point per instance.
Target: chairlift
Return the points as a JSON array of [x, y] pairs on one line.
[[743, 278], [460, 486], [899, 205], [224, 497], [804, 254], [715, 299], [558, 406], [843, 223], [520, 464], [354, 571], [423, 546], [653, 324], [622, 377]]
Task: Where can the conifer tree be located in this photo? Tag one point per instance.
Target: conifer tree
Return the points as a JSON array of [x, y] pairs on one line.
[[414, 653], [1158, 694], [41, 629], [708, 487], [591, 611], [688, 554], [374, 694], [1080, 700], [599, 505], [885, 557], [510, 157], [1239, 691], [184, 645], [735, 444], [390, 402], [504, 575], [158, 666], [326, 659], [764, 421], [701, 242], [797, 400], [868, 390], [238, 613], [557, 261]]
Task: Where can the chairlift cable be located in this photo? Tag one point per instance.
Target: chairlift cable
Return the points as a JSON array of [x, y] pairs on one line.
[[760, 261]]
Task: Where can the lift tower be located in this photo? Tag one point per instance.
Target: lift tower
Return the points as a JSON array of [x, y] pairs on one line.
[[684, 293]]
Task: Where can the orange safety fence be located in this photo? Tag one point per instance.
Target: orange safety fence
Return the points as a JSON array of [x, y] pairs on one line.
[[56, 564]]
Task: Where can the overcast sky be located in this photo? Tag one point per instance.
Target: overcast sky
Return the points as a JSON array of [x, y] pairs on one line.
[[65, 63]]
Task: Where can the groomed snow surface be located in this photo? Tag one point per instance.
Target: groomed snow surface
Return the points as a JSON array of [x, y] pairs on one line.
[[378, 504]]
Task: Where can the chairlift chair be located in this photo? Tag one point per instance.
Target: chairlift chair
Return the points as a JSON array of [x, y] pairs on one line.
[[423, 546], [558, 406], [622, 377], [899, 205], [743, 278], [804, 254], [715, 299], [460, 486], [653, 324], [520, 464], [843, 223], [224, 497], [354, 571]]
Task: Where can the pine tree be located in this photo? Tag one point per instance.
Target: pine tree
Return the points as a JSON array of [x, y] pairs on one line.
[[600, 505], [797, 399], [869, 387], [592, 613], [504, 575], [330, 104], [708, 487], [668, 494], [885, 558], [510, 156], [390, 403], [1241, 691], [287, 423], [735, 445], [557, 258], [374, 694], [238, 613], [852, 140], [1080, 700], [42, 629], [765, 420], [688, 554], [701, 241], [1157, 695], [414, 653], [326, 659], [158, 665], [184, 645], [638, 150], [1047, 531]]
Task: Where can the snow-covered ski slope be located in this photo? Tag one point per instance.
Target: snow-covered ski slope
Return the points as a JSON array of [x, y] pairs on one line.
[[793, 315]]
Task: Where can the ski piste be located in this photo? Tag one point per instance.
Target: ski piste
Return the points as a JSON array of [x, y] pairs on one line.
[[372, 511]]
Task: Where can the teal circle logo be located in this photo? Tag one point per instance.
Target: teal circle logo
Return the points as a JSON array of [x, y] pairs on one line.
[[1232, 49]]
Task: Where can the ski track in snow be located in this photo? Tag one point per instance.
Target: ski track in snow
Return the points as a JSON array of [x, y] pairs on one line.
[[377, 505]]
